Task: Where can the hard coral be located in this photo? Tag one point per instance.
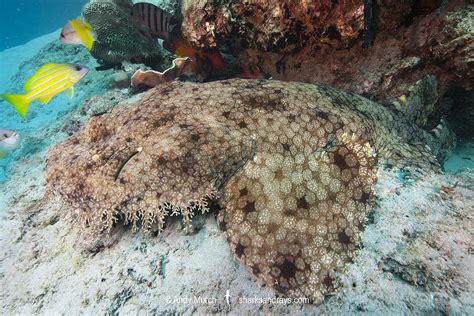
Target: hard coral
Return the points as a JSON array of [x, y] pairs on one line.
[[118, 39], [321, 41], [292, 164], [284, 26], [280, 26]]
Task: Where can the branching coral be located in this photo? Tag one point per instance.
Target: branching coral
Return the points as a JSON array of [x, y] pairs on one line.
[[292, 164], [118, 39]]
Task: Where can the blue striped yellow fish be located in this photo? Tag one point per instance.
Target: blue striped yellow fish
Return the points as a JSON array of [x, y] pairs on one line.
[[78, 31], [47, 82]]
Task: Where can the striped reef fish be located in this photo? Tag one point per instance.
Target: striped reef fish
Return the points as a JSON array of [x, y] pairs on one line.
[[78, 32], [8, 141], [157, 23], [47, 82], [182, 48], [153, 20]]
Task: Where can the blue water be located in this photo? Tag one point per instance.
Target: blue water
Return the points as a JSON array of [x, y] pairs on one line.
[[20, 22], [23, 20], [42, 127]]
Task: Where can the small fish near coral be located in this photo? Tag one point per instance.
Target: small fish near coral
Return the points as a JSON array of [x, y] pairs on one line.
[[117, 31], [8, 142], [154, 21], [157, 23], [292, 165], [78, 32], [50, 80], [200, 58]]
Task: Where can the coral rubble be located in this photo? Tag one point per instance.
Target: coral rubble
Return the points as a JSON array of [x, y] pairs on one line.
[[292, 164]]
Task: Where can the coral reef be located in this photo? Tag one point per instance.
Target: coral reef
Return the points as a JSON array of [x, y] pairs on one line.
[[320, 41], [287, 26], [278, 26], [118, 39], [289, 161]]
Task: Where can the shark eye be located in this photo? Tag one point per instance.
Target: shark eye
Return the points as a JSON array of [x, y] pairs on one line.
[[5, 135], [78, 68]]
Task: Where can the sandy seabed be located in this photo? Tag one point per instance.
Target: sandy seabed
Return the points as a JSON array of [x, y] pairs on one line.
[[417, 253]]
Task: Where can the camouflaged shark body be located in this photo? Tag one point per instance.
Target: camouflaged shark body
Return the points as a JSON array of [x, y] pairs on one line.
[[292, 165]]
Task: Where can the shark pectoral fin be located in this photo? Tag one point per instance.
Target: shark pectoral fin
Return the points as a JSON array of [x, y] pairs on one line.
[[70, 92], [260, 209], [45, 99]]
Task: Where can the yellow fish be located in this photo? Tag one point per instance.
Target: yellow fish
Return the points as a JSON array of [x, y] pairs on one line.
[[403, 98], [78, 31], [47, 82]]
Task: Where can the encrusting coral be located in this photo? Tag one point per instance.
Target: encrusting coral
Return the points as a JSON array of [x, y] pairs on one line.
[[322, 41], [291, 164]]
